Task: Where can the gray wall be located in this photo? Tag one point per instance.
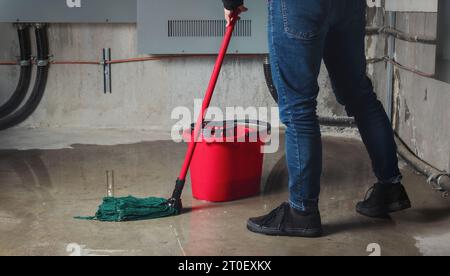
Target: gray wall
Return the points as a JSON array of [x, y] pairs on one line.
[[8, 50], [144, 94], [421, 105], [423, 114]]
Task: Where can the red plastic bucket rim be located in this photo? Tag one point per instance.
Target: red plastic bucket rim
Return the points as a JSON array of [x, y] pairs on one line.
[[231, 131]]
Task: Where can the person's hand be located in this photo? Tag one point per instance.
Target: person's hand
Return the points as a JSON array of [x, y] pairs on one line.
[[228, 13]]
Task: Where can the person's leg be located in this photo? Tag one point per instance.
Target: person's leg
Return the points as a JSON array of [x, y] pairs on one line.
[[345, 59], [297, 31], [297, 37]]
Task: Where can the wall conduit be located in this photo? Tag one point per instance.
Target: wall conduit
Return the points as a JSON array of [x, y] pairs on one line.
[[23, 85], [37, 93]]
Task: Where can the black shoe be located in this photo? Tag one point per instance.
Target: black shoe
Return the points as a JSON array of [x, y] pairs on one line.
[[384, 199], [285, 221]]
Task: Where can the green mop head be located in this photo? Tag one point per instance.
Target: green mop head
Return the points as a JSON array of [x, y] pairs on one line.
[[132, 209]]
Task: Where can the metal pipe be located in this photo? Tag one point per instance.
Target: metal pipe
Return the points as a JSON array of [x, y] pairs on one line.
[[401, 35], [439, 180], [444, 182], [133, 60], [107, 81], [390, 66]]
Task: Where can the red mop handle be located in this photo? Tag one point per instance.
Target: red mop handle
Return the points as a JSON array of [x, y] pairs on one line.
[[208, 96]]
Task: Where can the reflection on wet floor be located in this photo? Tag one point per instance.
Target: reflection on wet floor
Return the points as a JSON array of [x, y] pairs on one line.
[[43, 190]]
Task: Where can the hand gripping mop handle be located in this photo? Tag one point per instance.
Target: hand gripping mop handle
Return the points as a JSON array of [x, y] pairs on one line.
[[175, 201]]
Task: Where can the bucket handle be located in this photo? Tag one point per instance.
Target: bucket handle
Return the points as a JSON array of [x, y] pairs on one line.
[[232, 124]]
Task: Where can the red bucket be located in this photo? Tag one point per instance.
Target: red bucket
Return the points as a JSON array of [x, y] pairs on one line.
[[228, 160]]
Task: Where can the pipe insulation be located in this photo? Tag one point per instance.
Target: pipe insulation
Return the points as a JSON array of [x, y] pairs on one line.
[[37, 93], [23, 85]]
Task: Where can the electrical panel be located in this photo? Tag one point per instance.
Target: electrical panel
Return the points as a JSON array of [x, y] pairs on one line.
[[197, 27], [411, 5], [68, 11]]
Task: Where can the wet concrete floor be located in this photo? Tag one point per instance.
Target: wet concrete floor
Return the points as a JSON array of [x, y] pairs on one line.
[[42, 190]]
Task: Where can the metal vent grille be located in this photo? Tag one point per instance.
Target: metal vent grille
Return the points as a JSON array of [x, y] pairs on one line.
[[206, 28]]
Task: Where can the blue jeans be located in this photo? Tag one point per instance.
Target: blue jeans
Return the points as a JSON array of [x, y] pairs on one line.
[[302, 33]]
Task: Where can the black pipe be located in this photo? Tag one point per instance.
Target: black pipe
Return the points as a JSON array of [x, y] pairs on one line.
[[326, 121], [337, 121], [269, 79], [25, 73], [40, 83]]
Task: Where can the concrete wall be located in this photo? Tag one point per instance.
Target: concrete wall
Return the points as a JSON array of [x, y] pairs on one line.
[[144, 94], [8, 50], [376, 47], [422, 104]]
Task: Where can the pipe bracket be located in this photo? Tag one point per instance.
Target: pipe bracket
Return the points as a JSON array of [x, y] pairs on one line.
[[107, 79], [42, 63], [435, 181], [25, 63]]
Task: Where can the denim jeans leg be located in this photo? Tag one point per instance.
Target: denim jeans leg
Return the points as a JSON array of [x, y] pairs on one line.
[[345, 59], [297, 31]]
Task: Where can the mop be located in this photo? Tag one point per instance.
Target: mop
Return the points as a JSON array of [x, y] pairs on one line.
[[131, 208]]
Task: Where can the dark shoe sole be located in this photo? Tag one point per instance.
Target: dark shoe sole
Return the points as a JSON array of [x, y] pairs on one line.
[[380, 212], [304, 233]]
